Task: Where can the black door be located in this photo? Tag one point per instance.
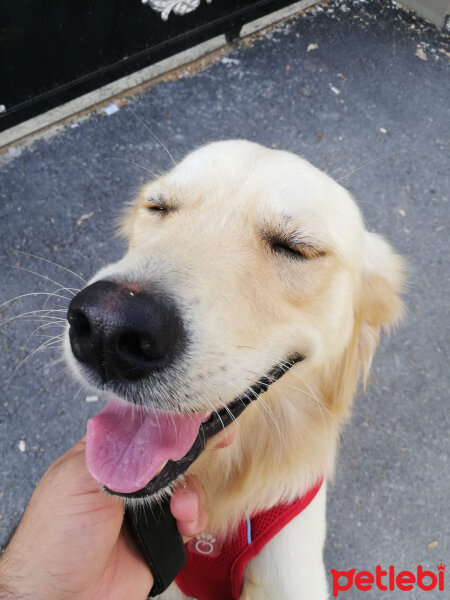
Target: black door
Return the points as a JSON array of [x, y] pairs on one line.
[[54, 50]]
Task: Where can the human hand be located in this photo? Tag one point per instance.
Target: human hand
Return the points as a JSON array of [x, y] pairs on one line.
[[71, 542]]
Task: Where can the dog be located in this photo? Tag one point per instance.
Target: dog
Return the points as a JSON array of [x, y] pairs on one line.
[[239, 259]]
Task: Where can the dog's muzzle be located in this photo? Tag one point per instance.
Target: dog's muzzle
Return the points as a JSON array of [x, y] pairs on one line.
[[123, 333], [216, 423]]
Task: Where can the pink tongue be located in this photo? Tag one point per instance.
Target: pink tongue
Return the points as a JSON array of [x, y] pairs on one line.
[[126, 446]]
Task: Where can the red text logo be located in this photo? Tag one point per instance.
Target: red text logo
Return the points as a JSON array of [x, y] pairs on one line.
[[388, 580]]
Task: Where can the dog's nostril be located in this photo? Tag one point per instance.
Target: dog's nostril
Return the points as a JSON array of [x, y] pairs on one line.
[[123, 334], [79, 322], [137, 347]]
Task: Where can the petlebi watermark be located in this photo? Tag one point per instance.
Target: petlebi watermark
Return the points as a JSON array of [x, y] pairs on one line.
[[388, 579]]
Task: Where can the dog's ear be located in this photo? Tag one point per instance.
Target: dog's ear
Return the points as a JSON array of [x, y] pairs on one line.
[[378, 306]]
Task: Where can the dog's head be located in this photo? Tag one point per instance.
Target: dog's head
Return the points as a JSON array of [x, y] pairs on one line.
[[238, 259]]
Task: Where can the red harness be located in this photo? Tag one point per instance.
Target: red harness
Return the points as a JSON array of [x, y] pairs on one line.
[[214, 571]]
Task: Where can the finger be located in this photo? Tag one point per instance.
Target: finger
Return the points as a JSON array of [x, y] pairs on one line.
[[190, 528], [186, 500], [184, 505], [71, 471], [187, 506]]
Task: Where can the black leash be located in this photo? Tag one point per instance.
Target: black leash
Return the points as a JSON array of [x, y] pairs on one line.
[[154, 528]]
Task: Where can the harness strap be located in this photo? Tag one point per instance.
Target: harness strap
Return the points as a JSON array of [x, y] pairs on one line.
[[265, 526]]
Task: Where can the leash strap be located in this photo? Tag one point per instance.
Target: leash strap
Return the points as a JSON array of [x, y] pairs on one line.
[[155, 532]]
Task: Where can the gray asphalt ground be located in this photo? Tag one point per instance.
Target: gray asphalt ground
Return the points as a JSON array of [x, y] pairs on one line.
[[369, 105]]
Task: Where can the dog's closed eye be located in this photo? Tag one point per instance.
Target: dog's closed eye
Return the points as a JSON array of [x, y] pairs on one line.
[[159, 204], [291, 245], [156, 208], [296, 251], [295, 244]]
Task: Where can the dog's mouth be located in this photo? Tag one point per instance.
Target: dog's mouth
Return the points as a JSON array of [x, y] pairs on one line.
[[136, 453]]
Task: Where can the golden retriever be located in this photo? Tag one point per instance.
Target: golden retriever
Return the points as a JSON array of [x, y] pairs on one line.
[[242, 257]]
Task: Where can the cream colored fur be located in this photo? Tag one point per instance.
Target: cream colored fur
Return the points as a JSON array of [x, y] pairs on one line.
[[248, 306]]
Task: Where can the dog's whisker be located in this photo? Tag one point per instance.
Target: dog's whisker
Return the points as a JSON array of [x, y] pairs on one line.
[[132, 162], [141, 120], [78, 393], [282, 441], [60, 336], [54, 295], [44, 336], [285, 366], [223, 405], [36, 312], [33, 294], [52, 263], [259, 404], [45, 345], [41, 326], [367, 164], [315, 399], [58, 323], [71, 290], [53, 363], [313, 396], [66, 376], [57, 337], [272, 415], [259, 400], [214, 409]]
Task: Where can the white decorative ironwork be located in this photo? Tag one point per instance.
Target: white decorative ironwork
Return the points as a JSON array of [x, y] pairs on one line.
[[179, 7]]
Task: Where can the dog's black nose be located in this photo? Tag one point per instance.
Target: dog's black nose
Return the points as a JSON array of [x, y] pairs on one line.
[[122, 332]]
